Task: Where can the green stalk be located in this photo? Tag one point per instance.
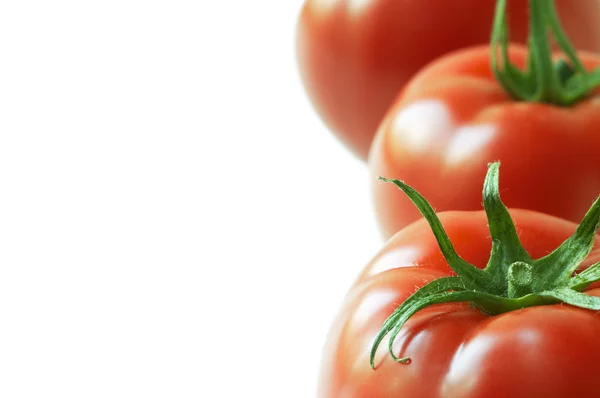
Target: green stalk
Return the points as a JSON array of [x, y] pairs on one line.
[[560, 83]]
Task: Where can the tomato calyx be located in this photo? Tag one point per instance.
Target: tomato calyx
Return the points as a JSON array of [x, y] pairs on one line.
[[511, 280], [562, 83]]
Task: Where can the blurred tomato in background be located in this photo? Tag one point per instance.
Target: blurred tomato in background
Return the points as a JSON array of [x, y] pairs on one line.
[[356, 55]]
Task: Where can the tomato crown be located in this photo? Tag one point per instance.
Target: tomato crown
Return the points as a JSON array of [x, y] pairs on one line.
[[511, 280], [562, 83]]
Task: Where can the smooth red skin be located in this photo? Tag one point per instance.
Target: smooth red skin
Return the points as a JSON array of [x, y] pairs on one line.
[[550, 155], [457, 351], [354, 63]]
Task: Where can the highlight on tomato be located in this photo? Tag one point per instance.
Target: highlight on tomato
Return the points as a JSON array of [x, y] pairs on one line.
[[355, 56], [536, 111], [481, 304]]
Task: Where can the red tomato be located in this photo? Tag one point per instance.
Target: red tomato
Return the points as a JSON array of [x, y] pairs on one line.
[[457, 350], [354, 56], [453, 118]]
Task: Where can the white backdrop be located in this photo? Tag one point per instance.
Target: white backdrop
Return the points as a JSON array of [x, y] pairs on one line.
[[175, 221]]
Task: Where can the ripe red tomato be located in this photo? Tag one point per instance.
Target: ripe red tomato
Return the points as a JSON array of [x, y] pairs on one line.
[[453, 118], [457, 350], [355, 56]]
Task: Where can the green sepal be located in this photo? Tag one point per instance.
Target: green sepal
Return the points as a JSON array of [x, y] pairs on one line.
[[472, 276], [433, 287], [506, 246], [569, 296], [558, 267], [511, 280], [585, 278]]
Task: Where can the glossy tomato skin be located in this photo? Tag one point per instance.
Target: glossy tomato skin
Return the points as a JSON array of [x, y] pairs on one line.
[[453, 119], [455, 350], [354, 56]]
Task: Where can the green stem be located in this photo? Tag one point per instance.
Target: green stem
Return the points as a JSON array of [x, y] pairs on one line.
[[541, 53], [512, 79], [560, 83], [563, 40], [520, 276]]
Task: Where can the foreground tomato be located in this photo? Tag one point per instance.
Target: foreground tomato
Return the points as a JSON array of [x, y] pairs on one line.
[[500, 332], [355, 56], [455, 116]]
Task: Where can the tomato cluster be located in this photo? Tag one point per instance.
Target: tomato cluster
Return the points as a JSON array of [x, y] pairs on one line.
[[469, 303]]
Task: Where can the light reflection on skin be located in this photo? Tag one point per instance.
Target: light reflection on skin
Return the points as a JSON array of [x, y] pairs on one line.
[[427, 125], [357, 7], [372, 304], [467, 141], [323, 7], [468, 356], [354, 8], [418, 126], [399, 258], [466, 359], [529, 337]]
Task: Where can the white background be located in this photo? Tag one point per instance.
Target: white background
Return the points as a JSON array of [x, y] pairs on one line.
[[175, 221]]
